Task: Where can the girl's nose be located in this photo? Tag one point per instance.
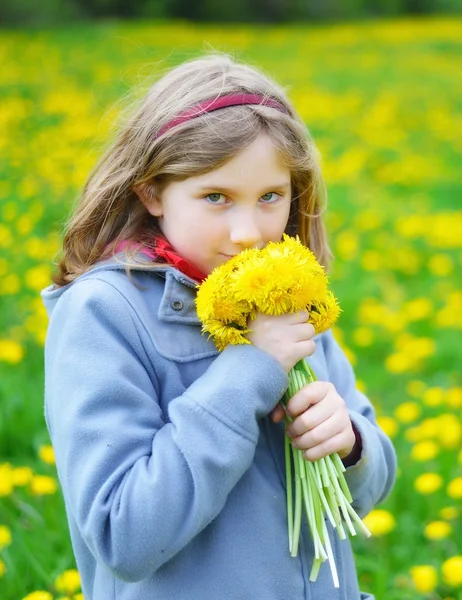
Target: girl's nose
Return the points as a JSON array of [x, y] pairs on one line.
[[244, 232]]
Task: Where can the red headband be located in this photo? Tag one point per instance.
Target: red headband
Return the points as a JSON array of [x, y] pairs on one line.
[[221, 102]]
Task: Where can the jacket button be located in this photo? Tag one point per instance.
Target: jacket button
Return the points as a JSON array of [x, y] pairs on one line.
[[176, 304]]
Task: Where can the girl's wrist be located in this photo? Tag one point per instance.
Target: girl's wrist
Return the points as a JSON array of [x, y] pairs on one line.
[[352, 458]]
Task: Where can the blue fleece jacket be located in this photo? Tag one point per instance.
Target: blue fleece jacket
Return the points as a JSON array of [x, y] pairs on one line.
[[172, 471]]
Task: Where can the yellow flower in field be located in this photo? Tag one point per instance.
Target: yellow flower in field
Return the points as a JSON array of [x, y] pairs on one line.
[[42, 485], [46, 453], [363, 336], [454, 488], [38, 277], [388, 425], [361, 386], [10, 285], [6, 479], [452, 571], [419, 308], [424, 577], [428, 429], [426, 450], [5, 536], [407, 412], [347, 244], [2, 568], [68, 582], [449, 513], [11, 351], [78, 597], [450, 431], [380, 522], [434, 396], [38, 595], [440, 264], [428, 483], [22, 476], [454, 397], [371, 260], [437, 530], [399, 362]]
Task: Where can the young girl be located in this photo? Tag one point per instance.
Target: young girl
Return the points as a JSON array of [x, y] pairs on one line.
[[170, 454]]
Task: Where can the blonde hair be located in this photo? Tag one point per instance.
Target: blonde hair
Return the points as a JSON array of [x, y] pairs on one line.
[[110, 211]]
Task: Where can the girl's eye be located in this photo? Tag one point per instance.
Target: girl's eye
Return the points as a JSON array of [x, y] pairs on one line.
[[215, 198], [270, 197]]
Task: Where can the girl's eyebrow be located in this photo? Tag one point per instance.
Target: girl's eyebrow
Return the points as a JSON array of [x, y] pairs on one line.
[[227, 190]]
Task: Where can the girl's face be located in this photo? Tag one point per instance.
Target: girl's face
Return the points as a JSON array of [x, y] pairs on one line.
[[243, 204]]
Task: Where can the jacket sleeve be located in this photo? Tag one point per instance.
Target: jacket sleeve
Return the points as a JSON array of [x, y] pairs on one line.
[[371, 479], [139, 488]]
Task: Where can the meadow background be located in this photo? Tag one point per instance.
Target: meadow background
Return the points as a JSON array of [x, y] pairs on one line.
[[383, 101]]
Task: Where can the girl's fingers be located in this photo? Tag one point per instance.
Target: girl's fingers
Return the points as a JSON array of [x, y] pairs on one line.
[[303, 438], [305, 331], [312, 393], [296, 318], [310, 419], [333, 444], [278, 414]]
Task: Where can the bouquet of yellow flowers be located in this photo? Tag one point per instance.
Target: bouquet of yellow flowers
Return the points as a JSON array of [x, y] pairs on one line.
[[285, 277]]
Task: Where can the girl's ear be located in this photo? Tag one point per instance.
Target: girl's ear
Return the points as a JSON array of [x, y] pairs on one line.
[[147, 193]]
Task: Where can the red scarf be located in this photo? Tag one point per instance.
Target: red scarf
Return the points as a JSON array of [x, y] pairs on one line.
[[166, 252]]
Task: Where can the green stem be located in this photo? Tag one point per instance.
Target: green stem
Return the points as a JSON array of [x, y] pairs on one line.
[[290, 514], [320, 486], [298, 509]]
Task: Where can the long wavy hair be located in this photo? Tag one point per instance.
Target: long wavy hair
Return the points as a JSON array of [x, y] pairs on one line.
[[110, 211]]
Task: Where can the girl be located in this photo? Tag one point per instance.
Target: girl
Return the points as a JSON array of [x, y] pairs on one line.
[[170, 455]]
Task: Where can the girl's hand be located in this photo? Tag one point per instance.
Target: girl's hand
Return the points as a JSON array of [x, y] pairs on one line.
[[288, 338], [321, 424]]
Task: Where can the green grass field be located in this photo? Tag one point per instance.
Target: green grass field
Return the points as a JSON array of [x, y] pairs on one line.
[[384, 103]]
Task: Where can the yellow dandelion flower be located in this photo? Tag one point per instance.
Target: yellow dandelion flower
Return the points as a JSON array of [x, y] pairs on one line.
[[2, 568], [452, 571], [437, 530], [42, 485], [284, 277], [380, 522], [449, 513], [68, 582], [363, 336], [450, 431], [38, 595], [21, 476], [5, 536], [6, 479], [46, 453], [425, 450], [407, 412], [324, 314], [454, 488], [428, 483], [434, 396], [454, 397], [78, 597], [424, 577], [388, 425], [11, 351], [225, 334]]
